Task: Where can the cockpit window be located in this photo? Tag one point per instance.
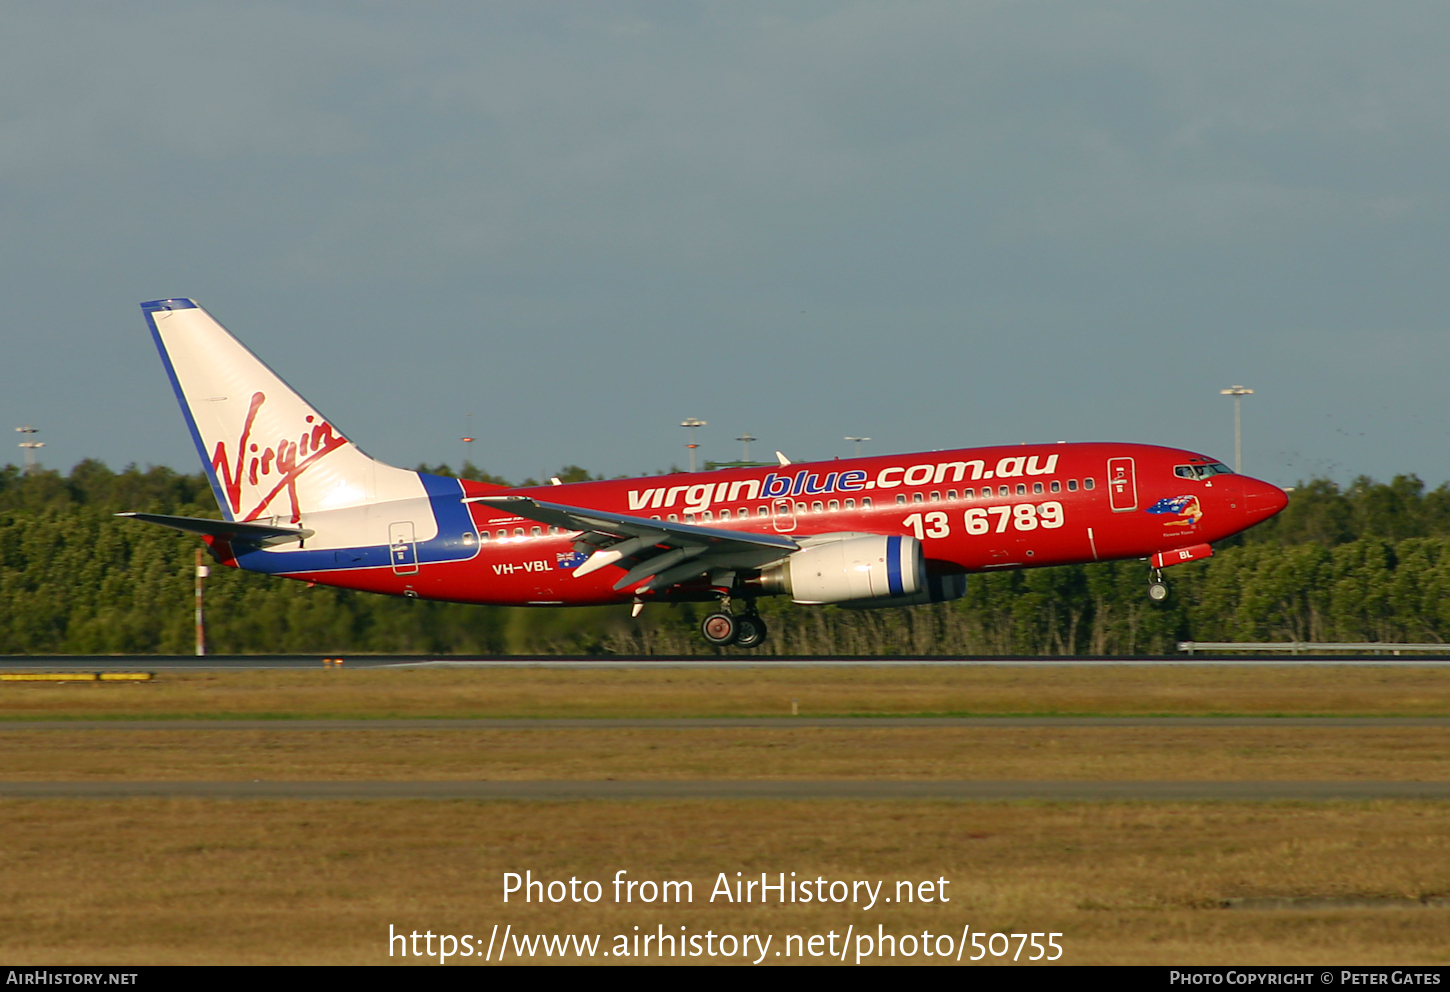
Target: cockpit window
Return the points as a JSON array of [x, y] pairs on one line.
[[1201, 471]]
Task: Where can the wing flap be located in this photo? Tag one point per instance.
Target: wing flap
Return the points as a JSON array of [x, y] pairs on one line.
[[622, 525], [659, 553]]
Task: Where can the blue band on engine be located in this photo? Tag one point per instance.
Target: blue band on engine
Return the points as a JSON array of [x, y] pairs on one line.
[[893, 565]]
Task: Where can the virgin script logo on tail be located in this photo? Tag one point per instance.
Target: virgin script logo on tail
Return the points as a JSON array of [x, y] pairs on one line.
[[276, 464]]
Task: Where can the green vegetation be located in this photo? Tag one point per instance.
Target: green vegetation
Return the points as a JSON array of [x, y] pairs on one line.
[[1367, 562]]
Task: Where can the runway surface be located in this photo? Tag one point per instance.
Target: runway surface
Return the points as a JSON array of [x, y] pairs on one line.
[[100, 663], [715, 723], [742, 790]]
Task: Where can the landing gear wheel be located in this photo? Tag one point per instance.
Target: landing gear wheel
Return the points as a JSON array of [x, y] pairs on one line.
[[720, 629], [1158, 591], [752, 631]]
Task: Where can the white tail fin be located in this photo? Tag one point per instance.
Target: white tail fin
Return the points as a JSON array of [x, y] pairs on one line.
[[268, 452]]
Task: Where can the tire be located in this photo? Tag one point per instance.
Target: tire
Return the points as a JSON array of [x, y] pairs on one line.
[[1157, 591], [752, 632], [719, 629]]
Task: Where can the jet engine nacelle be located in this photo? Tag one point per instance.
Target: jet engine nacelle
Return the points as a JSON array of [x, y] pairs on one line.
[[858, 568], [938, 589]]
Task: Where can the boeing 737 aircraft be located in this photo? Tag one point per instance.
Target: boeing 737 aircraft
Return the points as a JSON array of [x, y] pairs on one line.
[[301, 500]]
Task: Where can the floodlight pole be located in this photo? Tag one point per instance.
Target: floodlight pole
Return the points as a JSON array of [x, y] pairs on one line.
[[690, 423], [29, 447], [1238, 393], [467, 443], [202, 572], [745, 440], [858, 441]]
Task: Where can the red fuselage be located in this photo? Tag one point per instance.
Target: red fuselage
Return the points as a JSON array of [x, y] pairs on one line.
[[973, 509]]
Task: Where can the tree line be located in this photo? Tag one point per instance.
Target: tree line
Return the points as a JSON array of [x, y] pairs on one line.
[[1367, 561]]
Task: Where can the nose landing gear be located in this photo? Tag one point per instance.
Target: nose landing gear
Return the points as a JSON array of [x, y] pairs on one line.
[[1157, 588]]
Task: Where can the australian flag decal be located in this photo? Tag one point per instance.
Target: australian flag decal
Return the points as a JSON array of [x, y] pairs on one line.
[[1180, 506], [571, 559], [1172, 504]]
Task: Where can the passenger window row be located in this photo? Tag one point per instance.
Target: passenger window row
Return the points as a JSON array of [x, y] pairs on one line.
[[1020, 489], [817, 506]]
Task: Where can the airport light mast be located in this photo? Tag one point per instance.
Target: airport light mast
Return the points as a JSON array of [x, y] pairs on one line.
[[29, 446], [202, 571], [690, 423], [1238, 393], [745, 440], [467, 440], [858, 441]]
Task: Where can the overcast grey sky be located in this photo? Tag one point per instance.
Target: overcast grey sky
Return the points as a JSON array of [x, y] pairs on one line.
[[935, 223]]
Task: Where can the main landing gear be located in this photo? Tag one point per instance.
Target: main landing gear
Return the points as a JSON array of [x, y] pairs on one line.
[[1157, 588], [724, 628], [752, 631], [720, 629]]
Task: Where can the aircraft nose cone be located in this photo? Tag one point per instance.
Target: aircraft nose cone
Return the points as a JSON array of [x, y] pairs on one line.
[[1262, 499]]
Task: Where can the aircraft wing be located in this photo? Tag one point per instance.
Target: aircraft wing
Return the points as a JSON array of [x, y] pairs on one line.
[[230, 529], [660, 551]]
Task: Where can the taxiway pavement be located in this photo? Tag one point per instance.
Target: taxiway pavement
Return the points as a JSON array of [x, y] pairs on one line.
[[104, 663]]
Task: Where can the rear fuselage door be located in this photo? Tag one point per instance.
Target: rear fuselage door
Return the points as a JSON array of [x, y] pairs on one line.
[[402, 548], [1122, 486]]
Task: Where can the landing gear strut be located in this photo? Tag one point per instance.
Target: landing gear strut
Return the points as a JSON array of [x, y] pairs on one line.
[[1157, 588]]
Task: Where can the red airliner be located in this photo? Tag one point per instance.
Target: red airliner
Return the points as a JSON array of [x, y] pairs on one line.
[[302, 501]]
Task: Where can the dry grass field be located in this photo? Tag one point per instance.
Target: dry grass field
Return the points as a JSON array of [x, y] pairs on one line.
[[1039, 753], [209, 881], [187, 881], [895, 691]]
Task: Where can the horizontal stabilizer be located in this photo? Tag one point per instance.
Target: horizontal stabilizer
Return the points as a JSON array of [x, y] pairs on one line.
[[231, 530]]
